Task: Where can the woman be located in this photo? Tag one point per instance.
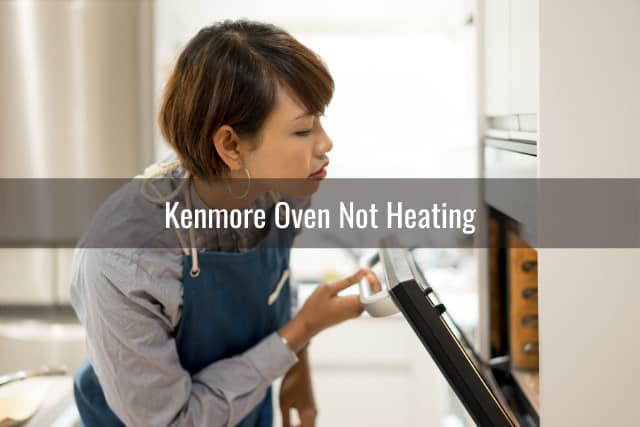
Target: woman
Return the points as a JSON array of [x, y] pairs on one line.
[[195, 335]]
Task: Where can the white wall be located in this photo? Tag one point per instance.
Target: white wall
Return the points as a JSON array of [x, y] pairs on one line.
[[404, 78], [402, 104]]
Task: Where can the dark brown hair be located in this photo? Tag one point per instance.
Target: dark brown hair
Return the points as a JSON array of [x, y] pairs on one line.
[[229, 74]]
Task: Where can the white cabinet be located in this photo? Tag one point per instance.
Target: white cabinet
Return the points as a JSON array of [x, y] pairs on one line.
[[496, 57], [575, 64], [27, 276], [63, 273], [588, 298], [511, 57], [375, 372], [523, 56], [35, 276]]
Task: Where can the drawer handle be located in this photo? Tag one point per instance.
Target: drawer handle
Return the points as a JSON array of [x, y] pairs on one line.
[[529, 266], [530, 293], [31, 373], [530, 320], [530, 348]]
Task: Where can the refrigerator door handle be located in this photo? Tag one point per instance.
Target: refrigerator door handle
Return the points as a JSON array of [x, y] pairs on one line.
[[377, 304]]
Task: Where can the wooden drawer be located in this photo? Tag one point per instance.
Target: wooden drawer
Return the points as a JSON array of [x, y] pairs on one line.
[[522, 278]]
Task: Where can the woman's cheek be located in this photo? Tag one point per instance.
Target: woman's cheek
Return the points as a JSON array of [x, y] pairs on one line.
[[303, 165]]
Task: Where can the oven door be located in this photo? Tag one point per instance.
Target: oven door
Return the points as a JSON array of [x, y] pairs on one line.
[[427, 316]]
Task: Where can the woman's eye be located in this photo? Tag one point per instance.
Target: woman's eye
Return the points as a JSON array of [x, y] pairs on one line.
[[304, 132]]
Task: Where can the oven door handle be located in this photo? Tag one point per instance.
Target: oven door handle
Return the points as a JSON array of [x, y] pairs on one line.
[[377, 304]]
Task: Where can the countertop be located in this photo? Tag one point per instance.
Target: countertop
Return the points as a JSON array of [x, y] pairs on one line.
[[57, 407]]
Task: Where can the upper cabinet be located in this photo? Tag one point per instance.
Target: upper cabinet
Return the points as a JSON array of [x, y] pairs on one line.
[[523, 57], [496, 57], [511, 58]]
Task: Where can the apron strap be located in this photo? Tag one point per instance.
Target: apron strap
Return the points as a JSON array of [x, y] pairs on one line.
[[155, 171], [195, 267]]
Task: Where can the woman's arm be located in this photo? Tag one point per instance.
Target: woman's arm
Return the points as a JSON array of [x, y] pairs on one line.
[[133, 352], [296, 391]]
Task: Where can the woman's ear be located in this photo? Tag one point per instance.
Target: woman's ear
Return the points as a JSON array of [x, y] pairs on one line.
[[227, 144]]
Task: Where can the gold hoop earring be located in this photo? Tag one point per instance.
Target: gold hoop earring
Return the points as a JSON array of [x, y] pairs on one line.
[[244, 194]]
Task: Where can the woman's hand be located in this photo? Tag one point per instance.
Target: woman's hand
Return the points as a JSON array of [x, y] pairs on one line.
[[324, 308], [296, 392]]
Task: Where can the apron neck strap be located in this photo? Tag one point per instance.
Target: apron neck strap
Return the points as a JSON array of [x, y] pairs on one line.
[[195, 267], [155, 171]]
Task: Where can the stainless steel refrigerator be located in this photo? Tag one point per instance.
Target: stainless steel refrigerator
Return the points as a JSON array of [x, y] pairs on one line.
[[76, 85]]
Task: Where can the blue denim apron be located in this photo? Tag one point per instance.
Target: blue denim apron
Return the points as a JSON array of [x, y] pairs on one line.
[[234, 301]]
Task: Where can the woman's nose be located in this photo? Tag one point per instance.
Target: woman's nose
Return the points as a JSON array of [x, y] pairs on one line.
[[324, 145]]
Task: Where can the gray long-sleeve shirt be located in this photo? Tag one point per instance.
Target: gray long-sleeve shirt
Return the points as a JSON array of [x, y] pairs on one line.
[[129, 300]]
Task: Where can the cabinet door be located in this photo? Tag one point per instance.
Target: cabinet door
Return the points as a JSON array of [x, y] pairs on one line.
[[27, 276], [523, 56], [380, 369], [373, 372], [63, 275], [496, 57]]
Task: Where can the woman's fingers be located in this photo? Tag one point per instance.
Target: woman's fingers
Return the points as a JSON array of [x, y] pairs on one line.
[[373, 280], [307, 417], [350, 305], [285, 416], [343, 284]]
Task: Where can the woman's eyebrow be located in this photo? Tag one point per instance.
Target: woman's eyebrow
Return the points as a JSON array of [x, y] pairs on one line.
[[305, 114]]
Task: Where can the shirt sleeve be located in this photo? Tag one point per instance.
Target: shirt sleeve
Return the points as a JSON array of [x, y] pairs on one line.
[[132, 350]]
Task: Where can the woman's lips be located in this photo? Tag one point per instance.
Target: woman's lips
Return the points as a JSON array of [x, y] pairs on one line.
[[320, 173]]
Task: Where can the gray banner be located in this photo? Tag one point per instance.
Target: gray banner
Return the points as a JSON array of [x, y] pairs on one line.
[[350, 213]]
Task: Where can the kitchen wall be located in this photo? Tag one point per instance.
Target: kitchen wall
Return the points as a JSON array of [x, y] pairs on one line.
[[405, 78]]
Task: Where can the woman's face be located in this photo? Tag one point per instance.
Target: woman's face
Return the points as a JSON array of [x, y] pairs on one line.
[[292, 143]]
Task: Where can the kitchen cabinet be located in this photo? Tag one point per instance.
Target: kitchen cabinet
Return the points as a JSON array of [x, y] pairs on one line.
[[511, 57], [28, 276], [588, 306], [523, 57], [496, 57], [64, 257], [35, 276], [374, 372], [574, 65]]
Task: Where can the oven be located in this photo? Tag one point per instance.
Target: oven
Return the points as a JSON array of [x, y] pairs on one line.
[[488, 389], [496, 376]]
